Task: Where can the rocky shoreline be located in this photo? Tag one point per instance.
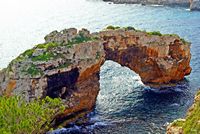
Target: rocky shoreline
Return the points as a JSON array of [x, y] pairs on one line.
[[192, 4], [191, 123], [67, 65]]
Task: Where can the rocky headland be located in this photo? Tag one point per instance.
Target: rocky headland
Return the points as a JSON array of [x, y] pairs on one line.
[[192, 4], [191, 123], [67, 65]]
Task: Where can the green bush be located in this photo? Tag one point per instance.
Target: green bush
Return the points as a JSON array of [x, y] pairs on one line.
[[19, 117], [112, 27], [155, 33], [129, 28]]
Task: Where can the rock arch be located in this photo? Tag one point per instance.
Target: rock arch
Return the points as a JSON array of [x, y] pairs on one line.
[[157, 59], [67, 65]]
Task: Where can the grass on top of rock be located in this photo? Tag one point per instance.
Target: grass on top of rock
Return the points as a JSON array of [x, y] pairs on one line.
[[191, 125], [155, 33], [45, 56], [28, 53], [79, 39], [47, 46], [117, 27], [20, 117], [48, 54], [129, 28], [112, 27]]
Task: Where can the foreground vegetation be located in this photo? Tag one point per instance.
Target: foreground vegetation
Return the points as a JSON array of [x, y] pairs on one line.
[[19, 117], [191, 125]]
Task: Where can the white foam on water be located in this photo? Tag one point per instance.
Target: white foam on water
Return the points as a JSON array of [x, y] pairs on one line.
[[156, 5]]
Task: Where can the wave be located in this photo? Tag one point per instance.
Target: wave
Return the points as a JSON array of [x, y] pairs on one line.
[[156, 5]]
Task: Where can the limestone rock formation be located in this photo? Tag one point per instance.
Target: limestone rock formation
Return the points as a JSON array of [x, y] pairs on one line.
[[67, 65], [157, 59], [192, 4], [189, 125]]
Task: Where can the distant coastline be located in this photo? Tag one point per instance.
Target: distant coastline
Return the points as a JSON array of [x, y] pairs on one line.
[[191, 4]]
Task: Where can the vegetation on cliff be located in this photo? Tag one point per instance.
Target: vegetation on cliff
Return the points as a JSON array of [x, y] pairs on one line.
[[17, 116], [117, 27], [155, 33], [44, 53], [191, 124], [79, 39], [112, 27]]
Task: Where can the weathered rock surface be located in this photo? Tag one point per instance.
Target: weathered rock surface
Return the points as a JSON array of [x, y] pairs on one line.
[[65, 71], [157, 59], [67, 65], [192, 4]]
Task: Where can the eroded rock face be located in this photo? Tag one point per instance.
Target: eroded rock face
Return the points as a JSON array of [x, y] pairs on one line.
[[157, 59], [68, 68], [192, 4], [67, 65]]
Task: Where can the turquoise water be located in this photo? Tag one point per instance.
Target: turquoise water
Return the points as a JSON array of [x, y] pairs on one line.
[[124, 104]]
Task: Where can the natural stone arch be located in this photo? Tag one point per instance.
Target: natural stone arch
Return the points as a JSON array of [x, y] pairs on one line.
[[67, 65], [157, 59]]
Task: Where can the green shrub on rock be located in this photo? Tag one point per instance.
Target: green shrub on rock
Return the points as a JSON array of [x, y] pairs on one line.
[[19, 117], [112, 27], [130, 28], [155, 33]]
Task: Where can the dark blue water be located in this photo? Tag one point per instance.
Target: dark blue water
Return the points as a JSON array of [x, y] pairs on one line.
[[124, 104]]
